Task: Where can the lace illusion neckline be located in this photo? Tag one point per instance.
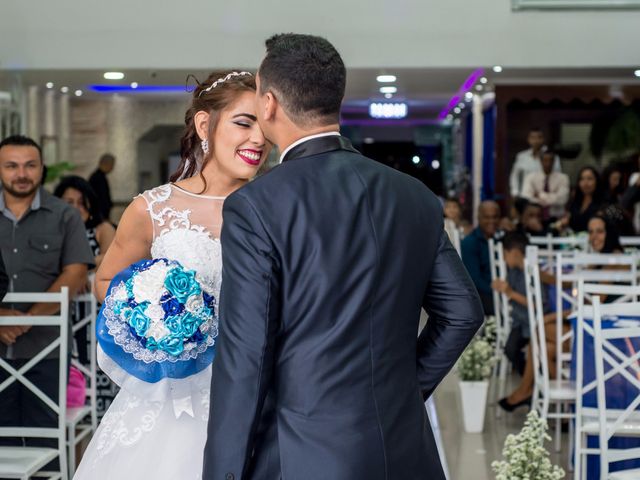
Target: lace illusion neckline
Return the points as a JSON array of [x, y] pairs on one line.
[[198, 195]]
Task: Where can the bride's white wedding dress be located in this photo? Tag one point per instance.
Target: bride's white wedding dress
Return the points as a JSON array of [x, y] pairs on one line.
[[158, 430]]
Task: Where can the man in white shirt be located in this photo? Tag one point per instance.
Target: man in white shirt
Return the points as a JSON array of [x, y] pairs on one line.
[[548, 188], [528, 161]]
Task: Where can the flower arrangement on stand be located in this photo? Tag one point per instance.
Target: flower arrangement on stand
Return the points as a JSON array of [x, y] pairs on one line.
[[525, 455], [474, 369]]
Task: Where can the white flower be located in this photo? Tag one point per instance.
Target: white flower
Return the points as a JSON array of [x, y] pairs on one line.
[[194, 304], [148, 286], [119, 293], [157, 330], [154, 312]]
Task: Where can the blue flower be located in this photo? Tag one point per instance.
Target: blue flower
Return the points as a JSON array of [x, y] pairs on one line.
[[151, 344], [209, 300], [171, 344], [171, 305], [190, 324], [138, 320], [174, 324], [182, 284]]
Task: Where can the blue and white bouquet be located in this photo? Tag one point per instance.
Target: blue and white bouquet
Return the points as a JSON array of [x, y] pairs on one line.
[[158, 322]]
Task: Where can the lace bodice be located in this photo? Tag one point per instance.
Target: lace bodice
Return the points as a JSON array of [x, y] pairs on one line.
[[186, 228]]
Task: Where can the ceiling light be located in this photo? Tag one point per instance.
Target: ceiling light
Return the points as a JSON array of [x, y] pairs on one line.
[[483, 80], [386, 78], [114, 75], [478, 88], [637, 73], [388, 89], [435, 164], [449, 117], [497, 69], [368, 140], [457, 110], [78, 93], [388, 95], [134, 85], [415, 159], [461, 105], [64, 89], [468, 95], [49, 84]]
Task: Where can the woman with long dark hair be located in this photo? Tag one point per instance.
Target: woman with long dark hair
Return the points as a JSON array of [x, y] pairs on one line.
[[587, 200], [158, 430], [77, 192]]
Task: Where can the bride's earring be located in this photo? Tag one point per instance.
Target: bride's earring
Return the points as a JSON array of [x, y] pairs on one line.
[[205, 146]]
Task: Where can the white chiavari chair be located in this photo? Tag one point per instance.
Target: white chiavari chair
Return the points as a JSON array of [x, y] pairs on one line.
[[617, 362], [587, 422], [561, 393], [24, 462]]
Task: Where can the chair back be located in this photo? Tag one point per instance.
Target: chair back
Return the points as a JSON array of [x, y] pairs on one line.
[[59, 344]]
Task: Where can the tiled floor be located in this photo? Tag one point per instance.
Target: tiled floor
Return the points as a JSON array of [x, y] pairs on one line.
[[469, 455]]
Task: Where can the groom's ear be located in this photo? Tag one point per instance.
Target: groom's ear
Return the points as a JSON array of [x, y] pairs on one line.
[[201, 122], [270, 106]]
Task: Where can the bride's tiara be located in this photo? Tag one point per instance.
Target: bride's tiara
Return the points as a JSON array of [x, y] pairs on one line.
[[224, 79]]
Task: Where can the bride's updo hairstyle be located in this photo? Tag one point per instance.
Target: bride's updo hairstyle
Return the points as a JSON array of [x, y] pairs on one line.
[[213, 95]]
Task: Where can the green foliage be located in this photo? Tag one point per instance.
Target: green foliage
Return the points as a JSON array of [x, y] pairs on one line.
[[57, 170]]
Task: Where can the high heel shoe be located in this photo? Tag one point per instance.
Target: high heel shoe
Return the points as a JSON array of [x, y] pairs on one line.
[[510, 407]]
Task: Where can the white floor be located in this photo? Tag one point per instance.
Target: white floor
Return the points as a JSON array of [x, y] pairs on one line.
[[469, 455]]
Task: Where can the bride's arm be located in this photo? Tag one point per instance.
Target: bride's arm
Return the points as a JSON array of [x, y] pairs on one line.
[[131, 243]]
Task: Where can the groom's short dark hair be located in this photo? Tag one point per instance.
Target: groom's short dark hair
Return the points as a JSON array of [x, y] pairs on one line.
[[307, 76]]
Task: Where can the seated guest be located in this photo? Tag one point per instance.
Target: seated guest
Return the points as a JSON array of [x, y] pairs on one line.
[[514, 245], [547, 188], [514, 287], [77, 192], [453, 211], [587, 200], [530, 222], [45, 248], [475, 252], [603, 237], [612, 184]]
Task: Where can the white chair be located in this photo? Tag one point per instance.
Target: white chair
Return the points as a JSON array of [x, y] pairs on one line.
[[25, 462], [502, 320], [587, 422], [571, 267], [546, 391], [613, 421], [549, 246], [630, 243], [77, 427]]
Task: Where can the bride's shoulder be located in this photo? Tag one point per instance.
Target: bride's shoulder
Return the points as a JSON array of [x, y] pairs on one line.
[[160, 193]]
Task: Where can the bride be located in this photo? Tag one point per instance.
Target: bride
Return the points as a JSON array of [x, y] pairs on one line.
[[158, 430]]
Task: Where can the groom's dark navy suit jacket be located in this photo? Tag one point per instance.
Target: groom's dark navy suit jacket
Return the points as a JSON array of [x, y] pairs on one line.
[[327, 262]]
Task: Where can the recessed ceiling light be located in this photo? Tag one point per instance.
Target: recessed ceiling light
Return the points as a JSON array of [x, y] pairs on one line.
[[461, 105], [435, 164], [415, 159], [368, 140], [386, 78], [134, 85], [78, 93], [49, 84], [388, 95], [478, 87], [388, 89], [468, 95], [114, 75], [457, 110], [497, 69], [64, 89], [637, 73]]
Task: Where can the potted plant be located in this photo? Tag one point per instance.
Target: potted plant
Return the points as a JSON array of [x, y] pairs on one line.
[[525, 455], [474, 369]]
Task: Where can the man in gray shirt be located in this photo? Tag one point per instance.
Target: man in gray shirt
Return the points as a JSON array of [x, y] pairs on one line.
[[44, 247]]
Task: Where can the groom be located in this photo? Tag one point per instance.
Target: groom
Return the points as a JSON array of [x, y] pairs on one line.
[[328, 260]]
